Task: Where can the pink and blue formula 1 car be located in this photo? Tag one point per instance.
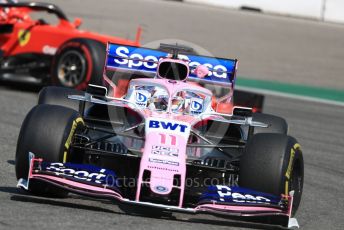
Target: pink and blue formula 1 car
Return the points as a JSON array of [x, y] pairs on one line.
[[163, 135]]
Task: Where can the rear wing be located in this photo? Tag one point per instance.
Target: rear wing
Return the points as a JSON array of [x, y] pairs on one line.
[[145, 61]]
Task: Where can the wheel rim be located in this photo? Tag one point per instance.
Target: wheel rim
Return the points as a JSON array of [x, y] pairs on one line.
[[71, 68]]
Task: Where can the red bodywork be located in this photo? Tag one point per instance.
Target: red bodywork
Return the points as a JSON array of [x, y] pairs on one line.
[[26, 35]]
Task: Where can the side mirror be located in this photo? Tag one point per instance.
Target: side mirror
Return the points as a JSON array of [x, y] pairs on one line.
[[201, 71], [77, 22], [242, 111], [97, 91]]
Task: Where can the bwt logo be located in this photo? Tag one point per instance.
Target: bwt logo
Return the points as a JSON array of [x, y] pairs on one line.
[[196, 106], [167, 125], [140, 97], [150, 62]]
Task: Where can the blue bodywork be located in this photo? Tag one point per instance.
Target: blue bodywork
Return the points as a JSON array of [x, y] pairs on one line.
[[133, 58], [82, 172], [238, 195]]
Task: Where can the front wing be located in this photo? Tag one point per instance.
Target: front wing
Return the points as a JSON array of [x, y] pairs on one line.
[[101, 183]]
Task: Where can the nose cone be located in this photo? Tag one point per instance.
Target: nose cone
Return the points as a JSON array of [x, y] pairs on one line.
[[164, 156], [161, 182]]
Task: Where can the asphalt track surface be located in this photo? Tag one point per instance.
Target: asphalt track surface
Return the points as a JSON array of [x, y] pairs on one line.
[[318, 127]]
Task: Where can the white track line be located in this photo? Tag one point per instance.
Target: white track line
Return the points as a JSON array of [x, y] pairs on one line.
[[289, 95]]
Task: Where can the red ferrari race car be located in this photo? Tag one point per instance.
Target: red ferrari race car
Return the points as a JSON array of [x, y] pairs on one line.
[[36, 51]]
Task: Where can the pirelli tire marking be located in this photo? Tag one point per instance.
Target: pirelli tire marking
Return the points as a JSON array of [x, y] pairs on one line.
[[288, 173], [75, 124]]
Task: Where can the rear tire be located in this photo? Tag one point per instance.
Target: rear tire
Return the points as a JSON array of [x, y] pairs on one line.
[[273, 163], [53, 95], [46, 132], [276, 124], [79, 62]]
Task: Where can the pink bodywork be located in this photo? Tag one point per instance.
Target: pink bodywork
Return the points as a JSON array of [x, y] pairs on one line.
[[162, 175]]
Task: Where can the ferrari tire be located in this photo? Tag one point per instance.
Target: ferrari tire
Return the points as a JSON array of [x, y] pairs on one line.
[[276, 124], [77, 63], [46, 132], [273, 163], [54, 95]]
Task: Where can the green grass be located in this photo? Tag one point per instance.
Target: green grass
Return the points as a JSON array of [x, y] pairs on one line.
[[294, 89]]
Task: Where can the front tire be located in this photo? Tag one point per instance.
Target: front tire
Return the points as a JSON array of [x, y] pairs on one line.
[[79, 62], [46, 132], [273, 163]]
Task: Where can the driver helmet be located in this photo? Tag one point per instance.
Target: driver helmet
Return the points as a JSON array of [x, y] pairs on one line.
[[177, 104], [159, 100]]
